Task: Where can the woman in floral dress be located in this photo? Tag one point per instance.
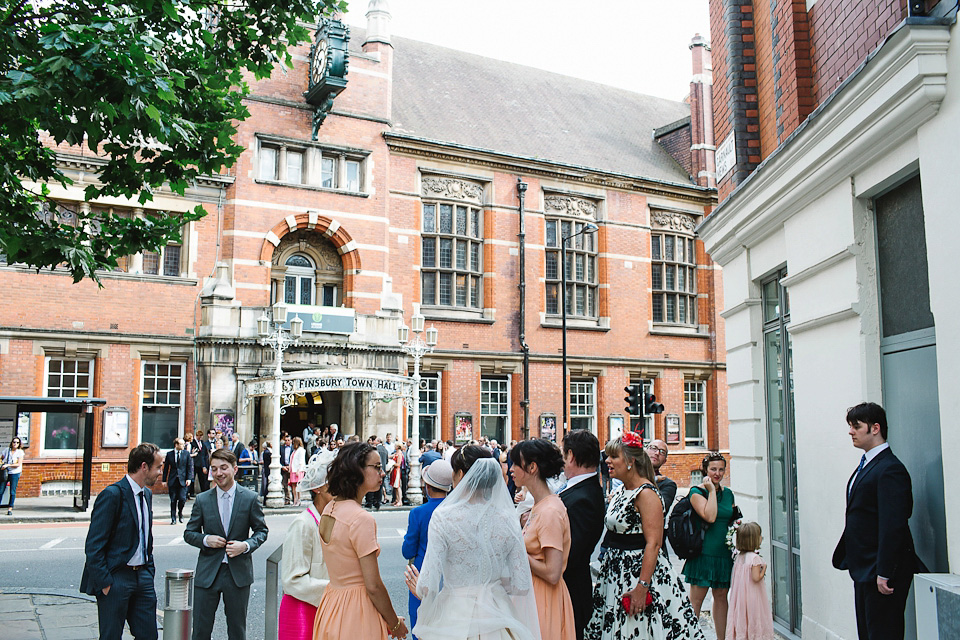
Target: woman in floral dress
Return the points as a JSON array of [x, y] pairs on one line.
[[633, 564]]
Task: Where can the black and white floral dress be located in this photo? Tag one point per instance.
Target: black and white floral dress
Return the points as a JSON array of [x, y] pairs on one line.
[[669, 617]]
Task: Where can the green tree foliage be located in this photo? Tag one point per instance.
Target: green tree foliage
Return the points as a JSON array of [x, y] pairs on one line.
[[154, 88]]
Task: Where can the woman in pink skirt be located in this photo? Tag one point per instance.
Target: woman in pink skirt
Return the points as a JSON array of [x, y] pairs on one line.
[[302, 570]]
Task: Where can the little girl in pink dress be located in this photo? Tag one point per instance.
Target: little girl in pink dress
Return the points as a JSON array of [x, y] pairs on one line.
[[749, 616]]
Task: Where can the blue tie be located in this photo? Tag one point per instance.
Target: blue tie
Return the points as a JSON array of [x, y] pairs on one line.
[[863, 461]]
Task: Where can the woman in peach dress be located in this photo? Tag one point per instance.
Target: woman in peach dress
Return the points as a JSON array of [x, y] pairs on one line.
[[355, 604], [546, 536]]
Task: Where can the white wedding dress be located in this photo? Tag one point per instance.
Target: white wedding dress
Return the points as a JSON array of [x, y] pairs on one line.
[[475, 582]]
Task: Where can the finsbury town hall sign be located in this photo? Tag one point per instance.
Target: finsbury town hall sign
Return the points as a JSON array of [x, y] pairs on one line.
[[301, 382]]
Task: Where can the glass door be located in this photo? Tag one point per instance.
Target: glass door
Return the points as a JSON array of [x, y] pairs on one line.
[[784, 529]]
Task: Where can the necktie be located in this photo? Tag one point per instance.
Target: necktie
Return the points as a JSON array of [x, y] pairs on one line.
[[225, 513], [144, 523], [863, 461]]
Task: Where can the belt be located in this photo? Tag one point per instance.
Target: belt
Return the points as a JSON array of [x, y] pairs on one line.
[[137, 567], [627, 541]]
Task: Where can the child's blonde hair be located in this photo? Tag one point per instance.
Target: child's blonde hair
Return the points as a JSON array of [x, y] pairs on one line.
[[748, 536]]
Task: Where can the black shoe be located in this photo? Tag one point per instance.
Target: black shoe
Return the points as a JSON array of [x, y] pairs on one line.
[[181, 519], [173, 521]]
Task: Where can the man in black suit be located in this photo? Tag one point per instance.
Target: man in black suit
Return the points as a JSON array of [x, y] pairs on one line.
[[119, 566], [227, 525], [876, 546], [286, 452], [178, 476], [583, 498], [658, 451], [236, 447]]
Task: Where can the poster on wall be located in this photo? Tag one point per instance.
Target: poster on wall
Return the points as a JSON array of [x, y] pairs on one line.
[[615, 421], [23, 429], [548, 426], [116, 427], [223, 421], [462, 427], [673, 429]]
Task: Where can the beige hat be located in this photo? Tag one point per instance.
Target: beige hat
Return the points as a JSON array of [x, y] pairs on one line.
[[439, 475], [316, 474]]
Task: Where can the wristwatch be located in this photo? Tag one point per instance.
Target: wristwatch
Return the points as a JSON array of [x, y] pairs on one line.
[[644, 584]]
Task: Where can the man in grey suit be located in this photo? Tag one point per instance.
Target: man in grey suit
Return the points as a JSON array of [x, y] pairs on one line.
[[220, 526]]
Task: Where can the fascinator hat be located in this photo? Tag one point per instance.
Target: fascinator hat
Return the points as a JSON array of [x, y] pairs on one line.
[[631, 439], [316, 474]]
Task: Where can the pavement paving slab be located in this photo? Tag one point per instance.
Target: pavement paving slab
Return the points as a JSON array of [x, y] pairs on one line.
[[12, 603]]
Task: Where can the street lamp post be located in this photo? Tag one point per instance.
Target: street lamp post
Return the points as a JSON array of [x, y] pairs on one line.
[[280, 341], [587, 228], [416, 348]]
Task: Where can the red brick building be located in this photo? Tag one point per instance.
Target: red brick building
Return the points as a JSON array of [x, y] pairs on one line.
[[407, 200]]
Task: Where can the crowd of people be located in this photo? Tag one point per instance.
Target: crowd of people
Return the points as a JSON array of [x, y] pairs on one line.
[[502, 545], [501, 548]]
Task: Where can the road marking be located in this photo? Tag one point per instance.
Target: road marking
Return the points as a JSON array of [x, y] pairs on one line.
[[175, 542], [402, 532], [52, 543]]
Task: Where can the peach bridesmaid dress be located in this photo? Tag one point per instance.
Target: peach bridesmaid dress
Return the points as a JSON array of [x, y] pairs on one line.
[[549, 527]]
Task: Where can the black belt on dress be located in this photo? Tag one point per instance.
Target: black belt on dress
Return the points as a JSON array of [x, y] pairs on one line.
[[627, 541]]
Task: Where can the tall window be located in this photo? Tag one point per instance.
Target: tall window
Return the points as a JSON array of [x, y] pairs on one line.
[[299, 283], [494, 408], [782, 460], [451, 260], [429, 407], [673, 278], [162, 403], [694, 410], [66, 379], [583, 406], [581, 269], [306, 163]]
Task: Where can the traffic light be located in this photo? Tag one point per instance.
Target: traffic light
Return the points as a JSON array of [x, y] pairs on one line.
[[633, 399], [650, 405]]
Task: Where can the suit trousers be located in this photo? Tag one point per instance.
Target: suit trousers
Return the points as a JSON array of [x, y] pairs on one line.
[[133, 599], [178, 497], [880, 617], [235, 601]]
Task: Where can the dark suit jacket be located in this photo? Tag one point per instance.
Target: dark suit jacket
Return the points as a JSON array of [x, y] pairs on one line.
[[113, 536], [237, 449], [246, 524], [182, 471], [585, 507], [286, 452], [202, 459], [668, 491], [876, 538]]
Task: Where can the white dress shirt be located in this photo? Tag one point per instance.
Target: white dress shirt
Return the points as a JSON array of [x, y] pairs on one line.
[[139, 557], [578, 479], [868, 456]]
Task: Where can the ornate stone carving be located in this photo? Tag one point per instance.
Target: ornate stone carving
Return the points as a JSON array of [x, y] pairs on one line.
[[571, 206], [673, 221], [451, 188]]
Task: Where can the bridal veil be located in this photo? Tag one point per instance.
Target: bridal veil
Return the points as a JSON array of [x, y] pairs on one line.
[[475, 581]]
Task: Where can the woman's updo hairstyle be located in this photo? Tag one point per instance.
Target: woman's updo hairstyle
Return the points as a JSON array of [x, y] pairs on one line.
[[464, 457], [542, 451], [635, 456], [713, 456], [345, 474]]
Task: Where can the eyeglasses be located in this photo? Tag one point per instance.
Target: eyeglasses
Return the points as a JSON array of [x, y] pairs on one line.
[[651, 447], [378, 466]]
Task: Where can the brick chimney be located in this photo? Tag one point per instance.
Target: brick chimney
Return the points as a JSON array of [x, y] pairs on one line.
[[702, 144]]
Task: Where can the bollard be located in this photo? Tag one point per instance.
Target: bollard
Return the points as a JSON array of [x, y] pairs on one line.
[[178, 607]]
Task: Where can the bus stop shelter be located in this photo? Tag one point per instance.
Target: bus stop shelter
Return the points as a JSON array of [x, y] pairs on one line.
[[11, 407]]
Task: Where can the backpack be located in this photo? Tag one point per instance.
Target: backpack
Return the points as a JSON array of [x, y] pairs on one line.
[[686, 530]]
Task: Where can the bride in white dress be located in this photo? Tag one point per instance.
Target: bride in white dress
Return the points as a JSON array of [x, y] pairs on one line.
[[475, 582]]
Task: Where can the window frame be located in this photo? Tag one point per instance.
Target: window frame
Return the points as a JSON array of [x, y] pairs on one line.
[[661, 265], [688, 402], [144, 404], [433, 387], [313, 159], [59, 453], [577, 247], [591, 404], [503, 381], [473, 266], [299, 274]]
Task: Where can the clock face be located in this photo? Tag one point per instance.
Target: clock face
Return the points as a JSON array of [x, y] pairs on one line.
[[319, 64]]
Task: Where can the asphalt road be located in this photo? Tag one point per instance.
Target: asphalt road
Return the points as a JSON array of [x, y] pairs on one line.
[[50, 556]]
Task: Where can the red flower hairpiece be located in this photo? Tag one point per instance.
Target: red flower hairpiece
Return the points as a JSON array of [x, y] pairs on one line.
[[631, 439]]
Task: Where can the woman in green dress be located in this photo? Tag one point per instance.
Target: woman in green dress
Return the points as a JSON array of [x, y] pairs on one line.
[[713, 567]]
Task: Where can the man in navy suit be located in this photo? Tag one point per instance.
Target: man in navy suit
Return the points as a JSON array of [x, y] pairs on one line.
[[178, 476], [876, 546], [119, 567], [227, 525], [583, 498]]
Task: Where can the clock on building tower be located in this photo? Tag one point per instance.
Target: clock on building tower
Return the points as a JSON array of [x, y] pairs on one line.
[[328, 68]]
